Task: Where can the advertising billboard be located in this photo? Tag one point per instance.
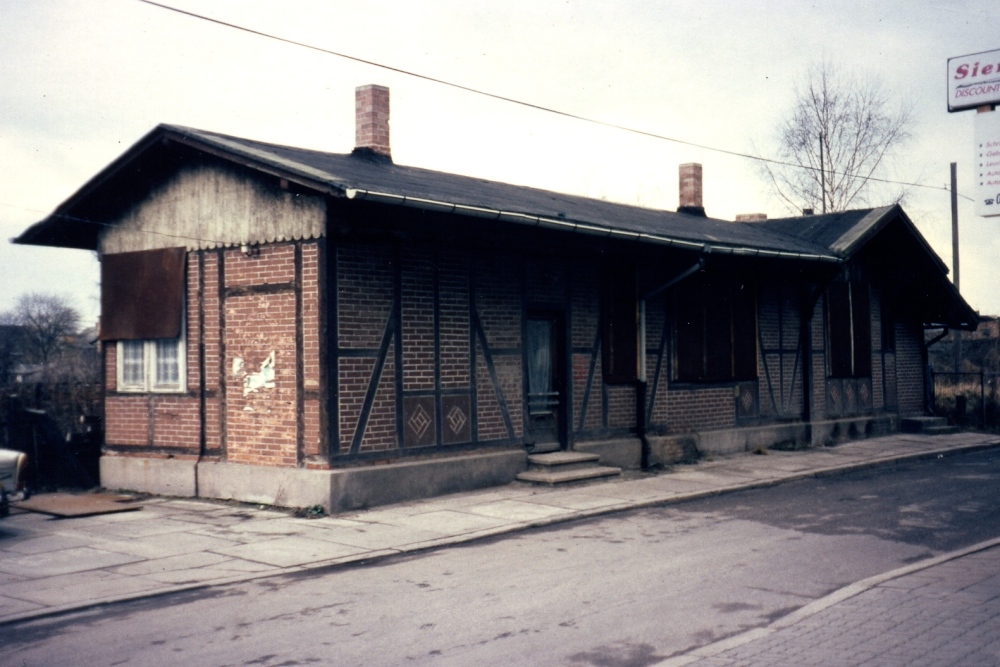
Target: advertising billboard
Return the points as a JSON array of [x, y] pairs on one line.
[[987, 163], [974, 80]]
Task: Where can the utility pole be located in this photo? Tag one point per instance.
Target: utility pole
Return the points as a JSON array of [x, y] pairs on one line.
[[822, 175], [954, 258]]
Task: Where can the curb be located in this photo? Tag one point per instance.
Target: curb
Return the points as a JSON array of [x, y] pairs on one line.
[[623, 506], [817, 606]]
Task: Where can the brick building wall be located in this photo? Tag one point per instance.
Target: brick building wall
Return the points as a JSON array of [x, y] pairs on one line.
[[239, 309], [429, 338], [909, 368]]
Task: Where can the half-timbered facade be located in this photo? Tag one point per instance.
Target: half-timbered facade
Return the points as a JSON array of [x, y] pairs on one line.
[[294, 327]]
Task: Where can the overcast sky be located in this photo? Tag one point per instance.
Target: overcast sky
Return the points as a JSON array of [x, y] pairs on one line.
[[81, 81]]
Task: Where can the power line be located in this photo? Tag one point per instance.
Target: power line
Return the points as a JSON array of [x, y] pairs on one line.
[[530, 105]]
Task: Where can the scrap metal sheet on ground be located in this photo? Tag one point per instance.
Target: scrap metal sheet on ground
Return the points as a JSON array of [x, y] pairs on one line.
[[68, 505]]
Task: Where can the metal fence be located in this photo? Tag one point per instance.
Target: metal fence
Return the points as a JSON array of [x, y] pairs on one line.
[[967, 399]]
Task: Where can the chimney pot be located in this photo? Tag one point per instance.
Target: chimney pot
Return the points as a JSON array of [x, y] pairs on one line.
[[371, 116], [807, 211], [690, 189]]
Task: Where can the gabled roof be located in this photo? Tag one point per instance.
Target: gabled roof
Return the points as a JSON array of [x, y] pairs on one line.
[[362, 176], [897, 249], [829, 239], [846, 232]]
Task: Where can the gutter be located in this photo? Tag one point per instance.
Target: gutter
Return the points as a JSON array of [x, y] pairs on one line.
[[590, 229]]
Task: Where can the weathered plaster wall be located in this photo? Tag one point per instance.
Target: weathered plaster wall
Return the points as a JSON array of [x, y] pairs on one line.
[[203, 206]]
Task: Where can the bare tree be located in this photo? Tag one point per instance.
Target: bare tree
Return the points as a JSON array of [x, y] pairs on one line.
[[837, 141], [48, 322]]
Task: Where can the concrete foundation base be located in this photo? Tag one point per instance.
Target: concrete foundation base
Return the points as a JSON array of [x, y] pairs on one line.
[[665, 450], [336, 490], [624, 453], [165, 477]]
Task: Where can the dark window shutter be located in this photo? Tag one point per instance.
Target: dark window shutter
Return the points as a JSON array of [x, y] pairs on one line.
[[619, 335], [862, 323], [718, 333], [689, 317], [142, 294], [744, 333], [839, 324]]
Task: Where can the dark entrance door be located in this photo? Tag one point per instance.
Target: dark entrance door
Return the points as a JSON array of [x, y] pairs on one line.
[[546, 382]]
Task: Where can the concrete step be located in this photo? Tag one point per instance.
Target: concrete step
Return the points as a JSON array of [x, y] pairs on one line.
[[561, 461], [566, 476], [565, 467], [942, 429], [921, 424]]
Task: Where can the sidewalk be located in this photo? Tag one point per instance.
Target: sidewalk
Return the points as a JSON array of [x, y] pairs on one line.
[[942, 611], [49, 566]]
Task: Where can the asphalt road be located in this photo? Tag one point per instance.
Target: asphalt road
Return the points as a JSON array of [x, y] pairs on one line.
[[625, 590]]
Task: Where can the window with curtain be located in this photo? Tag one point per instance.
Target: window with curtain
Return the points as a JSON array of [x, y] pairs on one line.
[[142, 309]]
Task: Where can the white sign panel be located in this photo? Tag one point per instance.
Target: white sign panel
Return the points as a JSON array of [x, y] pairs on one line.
[[987, 163], [974, 80]]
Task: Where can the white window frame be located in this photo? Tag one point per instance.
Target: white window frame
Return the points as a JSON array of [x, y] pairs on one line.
[[150, 383]]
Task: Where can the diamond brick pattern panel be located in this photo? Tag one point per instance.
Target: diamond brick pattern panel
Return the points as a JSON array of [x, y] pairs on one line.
[[834, 397], [746, 400], [864, 394], [850, 396], [418, 421], [456, 426]]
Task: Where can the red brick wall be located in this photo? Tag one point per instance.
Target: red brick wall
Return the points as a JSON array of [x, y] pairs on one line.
[[260, 309], [127, 420], [212, 343], [453, 279], [707, 408], [909, 368], [261, 426], [312, 333], [365, 295], [586, 317], [418, 321], [176, 422]]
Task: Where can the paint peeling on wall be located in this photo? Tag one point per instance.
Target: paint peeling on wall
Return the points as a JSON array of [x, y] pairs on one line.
[[262, 379]]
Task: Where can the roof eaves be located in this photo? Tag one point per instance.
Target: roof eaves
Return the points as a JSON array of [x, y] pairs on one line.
[[588, 228], [261, 160]]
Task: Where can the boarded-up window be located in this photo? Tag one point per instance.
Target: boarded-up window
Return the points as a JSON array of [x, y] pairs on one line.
[[619, 324], [715, 330], [142, 294], [849, 329]]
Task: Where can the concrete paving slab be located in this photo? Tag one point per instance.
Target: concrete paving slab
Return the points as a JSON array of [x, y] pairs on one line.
[[81, 588], [172, 544], [284, 526], [290, 551], [372, 536], [576, 500], [517, 510], [14, 607], [171, 563], [151, 527], [64, 561], [649, 490], [204, 575], [35, 543], [449, 522]]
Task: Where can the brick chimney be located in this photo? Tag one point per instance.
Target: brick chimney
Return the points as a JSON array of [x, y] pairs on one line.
[[750, 217], [371, 118], [690, 190]]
